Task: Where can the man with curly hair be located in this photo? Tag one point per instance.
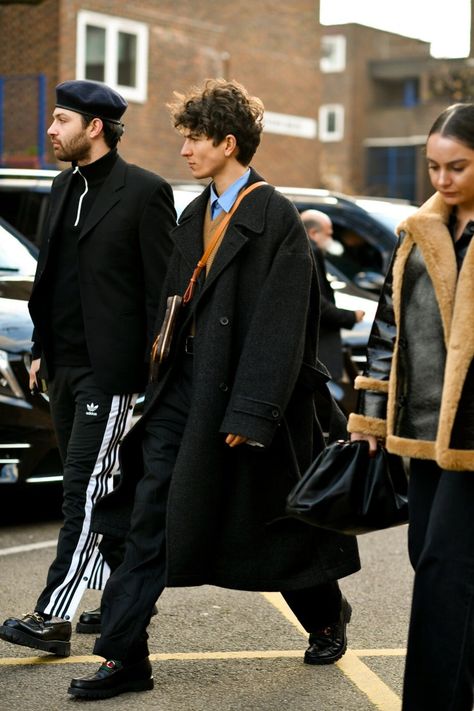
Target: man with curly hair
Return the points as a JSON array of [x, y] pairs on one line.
[[230, 423]]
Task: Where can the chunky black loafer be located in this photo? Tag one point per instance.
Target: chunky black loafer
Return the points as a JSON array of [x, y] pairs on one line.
[[329, 644], [34, 631], [89, 621], [112, 678]]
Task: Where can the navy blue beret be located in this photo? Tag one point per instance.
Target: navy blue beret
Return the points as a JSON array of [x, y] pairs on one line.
[[91, 97]]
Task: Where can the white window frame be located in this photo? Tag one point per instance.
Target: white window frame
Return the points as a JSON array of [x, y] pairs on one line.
[[336, 61], [112, 26], [325, 134]]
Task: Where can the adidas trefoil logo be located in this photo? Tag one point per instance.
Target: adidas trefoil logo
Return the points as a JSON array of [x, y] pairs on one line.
[[91, 409]]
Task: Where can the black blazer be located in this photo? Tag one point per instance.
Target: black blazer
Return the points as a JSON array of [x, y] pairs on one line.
[[332, 319], [123, 250]]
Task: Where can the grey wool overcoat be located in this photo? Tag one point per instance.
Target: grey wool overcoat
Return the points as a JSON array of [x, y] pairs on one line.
[[255, 374]]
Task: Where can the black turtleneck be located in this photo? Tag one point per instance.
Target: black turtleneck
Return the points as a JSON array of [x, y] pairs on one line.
[[67, 337]]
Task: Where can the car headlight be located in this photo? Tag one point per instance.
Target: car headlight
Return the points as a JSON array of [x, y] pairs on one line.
[[9, 386]]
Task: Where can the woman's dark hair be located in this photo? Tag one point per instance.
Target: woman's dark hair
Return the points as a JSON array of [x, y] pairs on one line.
[[457, 121], [217, 109], [113, 132]]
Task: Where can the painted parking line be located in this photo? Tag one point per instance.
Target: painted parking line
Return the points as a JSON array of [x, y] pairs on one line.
[[378, 693], [161, 657], [365, 680], [352, 666], [194, 656], [28, 547]]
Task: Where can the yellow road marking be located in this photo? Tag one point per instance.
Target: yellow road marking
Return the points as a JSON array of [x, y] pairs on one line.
[[162, 657], [196, 656], [378, 693], [379, 652]]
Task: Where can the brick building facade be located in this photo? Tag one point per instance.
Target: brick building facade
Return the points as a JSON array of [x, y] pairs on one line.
[[385, 90], [153, 48], [347, 106]]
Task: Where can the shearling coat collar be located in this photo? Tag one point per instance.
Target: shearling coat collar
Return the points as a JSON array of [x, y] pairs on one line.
[[427, 229]]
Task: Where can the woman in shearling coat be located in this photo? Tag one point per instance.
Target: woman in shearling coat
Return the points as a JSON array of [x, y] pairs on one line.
[[417, 396]]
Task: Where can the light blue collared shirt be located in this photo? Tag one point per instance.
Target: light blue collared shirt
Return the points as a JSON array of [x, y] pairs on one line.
[[224, 202]]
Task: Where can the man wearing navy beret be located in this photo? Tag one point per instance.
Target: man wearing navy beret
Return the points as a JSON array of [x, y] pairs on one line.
[[100, 271]]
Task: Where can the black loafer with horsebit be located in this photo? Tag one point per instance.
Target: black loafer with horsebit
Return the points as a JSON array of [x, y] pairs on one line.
[[113, 678], [329, 644], [34, 631]]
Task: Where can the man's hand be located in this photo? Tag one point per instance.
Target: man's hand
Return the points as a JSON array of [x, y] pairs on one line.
[[359, 315], [35, 366], [234, 440]]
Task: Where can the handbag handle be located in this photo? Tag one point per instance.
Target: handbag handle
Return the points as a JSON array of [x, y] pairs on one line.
[[189, 293]]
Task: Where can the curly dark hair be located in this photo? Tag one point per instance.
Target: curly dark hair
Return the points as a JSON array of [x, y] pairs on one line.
[[218, 108]]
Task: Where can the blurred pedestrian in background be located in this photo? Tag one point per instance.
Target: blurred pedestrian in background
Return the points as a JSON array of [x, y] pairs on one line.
[[417, 396], [319, 229]]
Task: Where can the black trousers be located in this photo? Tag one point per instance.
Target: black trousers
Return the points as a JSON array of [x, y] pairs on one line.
[[136, 584], [439, 672], [89, 425]]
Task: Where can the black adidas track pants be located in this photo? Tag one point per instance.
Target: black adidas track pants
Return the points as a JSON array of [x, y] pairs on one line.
[[89, 425]]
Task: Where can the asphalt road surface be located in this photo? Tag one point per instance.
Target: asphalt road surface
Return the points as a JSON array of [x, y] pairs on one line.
[[214, 649]]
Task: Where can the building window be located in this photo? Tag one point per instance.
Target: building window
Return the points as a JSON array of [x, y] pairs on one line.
[[333, 53], [331, 122], [411, 93], [397, 92], [391, 171], [115, 51]]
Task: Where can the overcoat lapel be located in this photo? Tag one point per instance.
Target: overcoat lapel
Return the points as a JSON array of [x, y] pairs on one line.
[[57, 200], [246, 218], [109, 195], [185, 234], [231, 245]]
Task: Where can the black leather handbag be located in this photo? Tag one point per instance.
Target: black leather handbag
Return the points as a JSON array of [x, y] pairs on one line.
[[347, 491]]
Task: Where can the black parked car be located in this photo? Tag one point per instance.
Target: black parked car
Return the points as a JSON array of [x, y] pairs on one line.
[[28, 452], [364, 226]]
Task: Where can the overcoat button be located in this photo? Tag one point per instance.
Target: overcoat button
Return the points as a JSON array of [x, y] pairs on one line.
[[224, 321], [275, 413], [224, 387]]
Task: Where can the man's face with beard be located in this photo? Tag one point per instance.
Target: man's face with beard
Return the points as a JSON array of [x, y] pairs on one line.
[[70, 139]]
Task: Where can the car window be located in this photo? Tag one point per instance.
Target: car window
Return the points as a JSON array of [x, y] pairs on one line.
[[356, 254], [389, 214], [14, 256], [182, 198]]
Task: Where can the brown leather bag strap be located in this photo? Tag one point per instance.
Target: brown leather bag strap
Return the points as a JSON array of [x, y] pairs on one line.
[[189, 293]]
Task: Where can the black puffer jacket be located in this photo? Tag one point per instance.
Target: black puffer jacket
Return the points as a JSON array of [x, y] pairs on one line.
[[418, 390]]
